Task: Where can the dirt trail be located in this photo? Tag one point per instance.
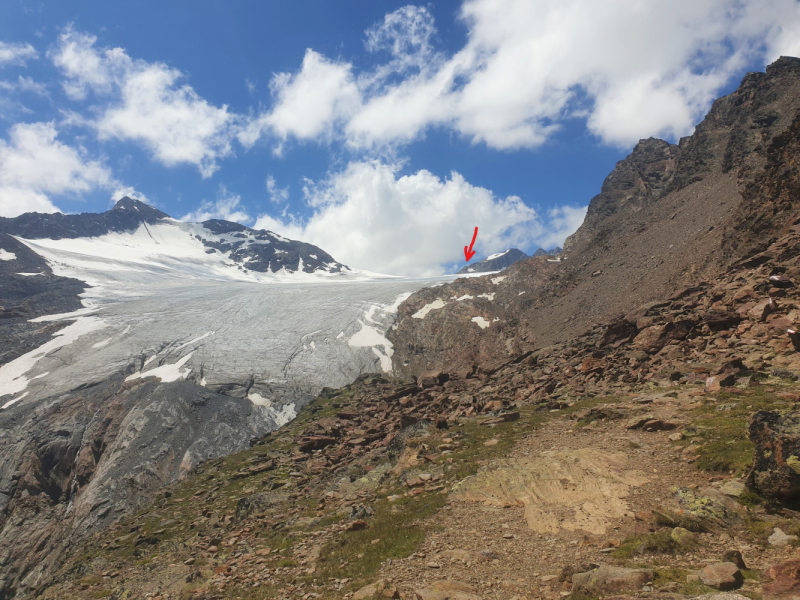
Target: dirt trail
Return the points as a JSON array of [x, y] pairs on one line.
[[532, 515]]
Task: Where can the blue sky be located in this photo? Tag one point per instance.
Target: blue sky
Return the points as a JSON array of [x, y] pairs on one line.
[[381, 131]]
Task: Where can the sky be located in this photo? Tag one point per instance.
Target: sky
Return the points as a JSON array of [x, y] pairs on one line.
[[381, 131]]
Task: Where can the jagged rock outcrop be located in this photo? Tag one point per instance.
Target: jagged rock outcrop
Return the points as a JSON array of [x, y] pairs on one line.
[[669, 217]]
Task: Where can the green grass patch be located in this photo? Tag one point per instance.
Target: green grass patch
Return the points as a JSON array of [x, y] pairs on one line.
[[660, 542], [719, 429]]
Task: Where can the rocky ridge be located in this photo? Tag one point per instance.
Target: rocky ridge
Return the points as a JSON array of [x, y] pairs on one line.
[[667, 217]]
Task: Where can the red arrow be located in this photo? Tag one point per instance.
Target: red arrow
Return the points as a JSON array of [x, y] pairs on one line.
[[468, 253]]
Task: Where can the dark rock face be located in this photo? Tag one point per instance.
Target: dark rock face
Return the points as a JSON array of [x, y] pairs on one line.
[[776, 459], [498, 263], [126, 215], [29, 289], [72, 465], [668, 218], [264, 251]]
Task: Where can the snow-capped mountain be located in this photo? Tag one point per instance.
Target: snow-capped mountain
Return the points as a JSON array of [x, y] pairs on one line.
[[494, 262]]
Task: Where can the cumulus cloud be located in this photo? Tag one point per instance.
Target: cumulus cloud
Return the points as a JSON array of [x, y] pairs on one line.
[[276, 194], [227, 208], [370, 218], [24, 84], [308, 104], [631, 69], [148, 103], [16, 54], [126, 190], [34, 166]]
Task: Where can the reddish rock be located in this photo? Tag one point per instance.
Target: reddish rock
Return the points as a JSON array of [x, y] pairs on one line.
[[722, 576], [784, 581], [762, 310]]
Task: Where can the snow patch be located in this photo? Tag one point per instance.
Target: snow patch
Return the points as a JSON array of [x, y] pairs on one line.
[[481, 322], [281, 417], [497, 280], [493, 256], [197, 339], [14, 401], [520, 294], [166, 373], [105, 342], [464, 297], [371, 337], [487, 296], [149, 360], [6, 255], [29, 274], [435, 305], [12, 374]]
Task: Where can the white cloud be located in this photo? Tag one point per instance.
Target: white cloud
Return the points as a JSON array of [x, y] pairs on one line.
[[34, 165], [369, 218], [148, 104], [16, 54], [276, 194], [226, 208], [126, 190], [24, 84], [563, 221], [308, 104], [631, 69]]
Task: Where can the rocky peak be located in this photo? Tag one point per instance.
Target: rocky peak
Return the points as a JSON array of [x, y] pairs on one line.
[[137, 207]]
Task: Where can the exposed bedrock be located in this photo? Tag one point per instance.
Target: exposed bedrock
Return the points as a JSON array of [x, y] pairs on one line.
[[74, 464]]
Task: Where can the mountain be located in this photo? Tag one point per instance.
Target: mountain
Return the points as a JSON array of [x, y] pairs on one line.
[[227, 244], [552, 252], [494, 262], [619, 422], [135, 347], [668, 217]]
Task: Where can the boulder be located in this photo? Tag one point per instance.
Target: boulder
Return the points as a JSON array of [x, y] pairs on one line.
[[779, 538], [776, 459], [722, 576], [607, 580], [735, 557], [784, 581], [429, 379], [379, 589], [447, 590]]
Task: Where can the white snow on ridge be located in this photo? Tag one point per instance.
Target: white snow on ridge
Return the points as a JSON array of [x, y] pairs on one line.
[[493, 256], [435, 305], [12, 374], [166, 373], [497, 280], [121, 264], [6, 255], [487, 296]]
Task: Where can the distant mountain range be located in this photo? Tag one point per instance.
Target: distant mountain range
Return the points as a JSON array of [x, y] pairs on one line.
[[503, 260]]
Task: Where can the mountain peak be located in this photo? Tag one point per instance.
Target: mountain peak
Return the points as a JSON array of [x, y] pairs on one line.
[[134, 206]]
